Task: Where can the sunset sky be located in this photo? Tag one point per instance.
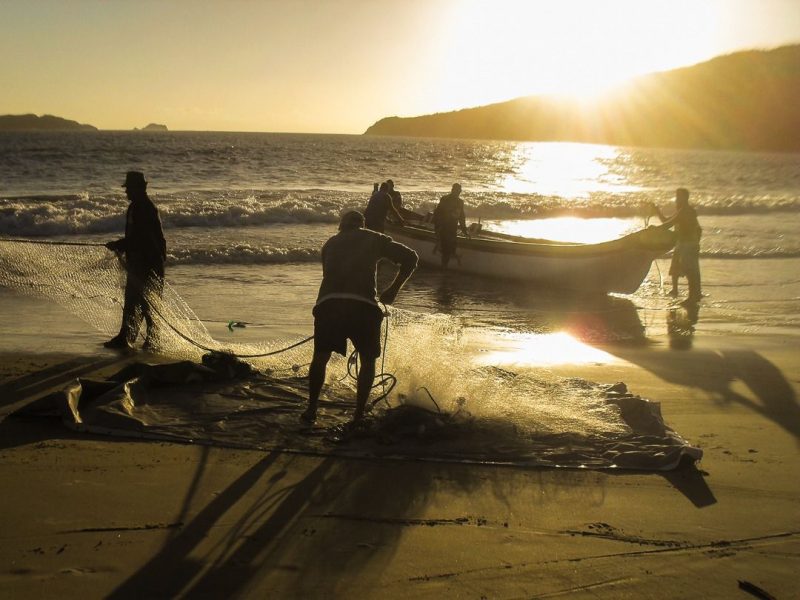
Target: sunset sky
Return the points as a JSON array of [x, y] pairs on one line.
[[339, 65]]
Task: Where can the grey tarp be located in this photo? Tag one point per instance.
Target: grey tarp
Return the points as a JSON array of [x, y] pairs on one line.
[[192, 403]]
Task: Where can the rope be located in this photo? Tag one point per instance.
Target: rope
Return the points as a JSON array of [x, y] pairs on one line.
[[352, 363], [273, 352], [658, 268], [427, 391], [207, 349], [51, 243], [383, 378]]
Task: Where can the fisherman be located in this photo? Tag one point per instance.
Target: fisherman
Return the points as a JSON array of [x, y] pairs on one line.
[[145, 251], [686, 256], [397, 202], [346, 306], [379, 206], [397, 199], [447, 216]]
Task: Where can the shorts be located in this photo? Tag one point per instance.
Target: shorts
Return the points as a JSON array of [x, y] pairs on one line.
[[685, 260], [338, 319]]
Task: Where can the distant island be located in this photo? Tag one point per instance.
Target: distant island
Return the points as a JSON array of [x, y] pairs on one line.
[[44, 123], [743, 101], [32, 122], [152, 127]]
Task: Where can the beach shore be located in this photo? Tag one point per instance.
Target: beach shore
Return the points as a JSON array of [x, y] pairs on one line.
[[89, 516]]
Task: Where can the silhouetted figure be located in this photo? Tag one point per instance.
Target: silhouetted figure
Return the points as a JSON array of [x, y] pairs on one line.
[[145, 251], [397, 199], [447, 216], [346, 307], [397, 202], [378, 208], [686, 256]]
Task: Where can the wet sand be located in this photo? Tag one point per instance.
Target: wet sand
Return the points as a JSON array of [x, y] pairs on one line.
[[88, 516]]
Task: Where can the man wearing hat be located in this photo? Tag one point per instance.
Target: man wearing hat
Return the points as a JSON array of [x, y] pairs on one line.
[[145, 251], [346, 306]]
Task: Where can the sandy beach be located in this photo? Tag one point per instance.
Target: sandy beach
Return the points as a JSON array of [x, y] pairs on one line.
[[576, 370], [93, 516], [89, 516]]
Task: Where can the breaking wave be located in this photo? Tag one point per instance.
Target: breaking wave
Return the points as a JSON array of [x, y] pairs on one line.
[[243, 254], [85, 213]]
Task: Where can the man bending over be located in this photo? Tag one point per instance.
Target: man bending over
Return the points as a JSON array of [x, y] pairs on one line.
[[346, 307]]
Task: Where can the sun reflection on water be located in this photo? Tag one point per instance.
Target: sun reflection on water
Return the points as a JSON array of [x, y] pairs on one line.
[[544, 350], [567, 170]]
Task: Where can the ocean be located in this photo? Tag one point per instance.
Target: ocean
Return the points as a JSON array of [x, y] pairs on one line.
[[245, 216]]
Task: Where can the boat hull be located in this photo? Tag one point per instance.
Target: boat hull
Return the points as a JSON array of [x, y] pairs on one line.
[[616, 266]]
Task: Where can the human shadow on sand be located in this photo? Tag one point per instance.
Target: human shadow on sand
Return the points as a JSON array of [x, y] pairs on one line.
[[335, 530], [717, 370]]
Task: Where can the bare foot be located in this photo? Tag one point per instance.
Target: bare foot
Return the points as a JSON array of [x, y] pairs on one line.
[[309, 416]]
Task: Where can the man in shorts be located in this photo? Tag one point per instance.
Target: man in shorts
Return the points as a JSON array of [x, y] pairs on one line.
[[346, 307], [685, 257]]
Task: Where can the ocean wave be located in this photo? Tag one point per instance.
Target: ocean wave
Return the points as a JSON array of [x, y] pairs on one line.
[[86, 213], [748, 253], [242, 254], [190, 250]]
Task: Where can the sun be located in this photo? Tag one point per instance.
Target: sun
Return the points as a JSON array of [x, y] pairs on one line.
[[494, 50]]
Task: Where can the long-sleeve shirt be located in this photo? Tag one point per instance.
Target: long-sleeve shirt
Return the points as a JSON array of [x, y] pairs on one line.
[[144, 244]]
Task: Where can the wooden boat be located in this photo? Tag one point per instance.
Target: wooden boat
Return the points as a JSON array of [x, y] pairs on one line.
[[615, 266]]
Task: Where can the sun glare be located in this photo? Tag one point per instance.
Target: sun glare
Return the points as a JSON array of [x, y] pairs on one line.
[[501, 49], [567, 170], [567, 229], [548, 349]]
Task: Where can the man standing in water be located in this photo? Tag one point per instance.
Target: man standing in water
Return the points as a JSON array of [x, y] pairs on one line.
[[379, 206], [145, 251], [346, 305], [447, 216], [686, 256]]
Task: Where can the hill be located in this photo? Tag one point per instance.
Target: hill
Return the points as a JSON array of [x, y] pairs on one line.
[[44, 123], [743, 101], [152, 127]]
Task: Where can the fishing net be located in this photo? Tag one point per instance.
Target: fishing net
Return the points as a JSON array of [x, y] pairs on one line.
[[88, 280], [443, 397], [427, 353]]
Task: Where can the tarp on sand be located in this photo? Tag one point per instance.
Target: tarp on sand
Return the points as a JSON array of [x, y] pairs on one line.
[[229, 405]]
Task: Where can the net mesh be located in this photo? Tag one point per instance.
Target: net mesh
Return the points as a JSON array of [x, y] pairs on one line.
[[427, 353], [88, 281]]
